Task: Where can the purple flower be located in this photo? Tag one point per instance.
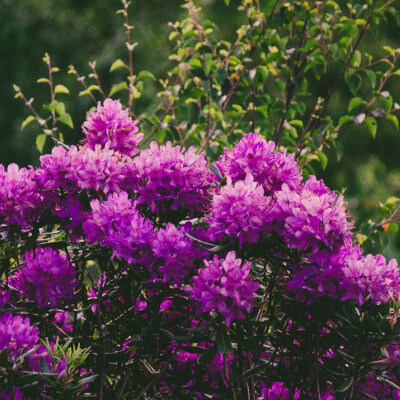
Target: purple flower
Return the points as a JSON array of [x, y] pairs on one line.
[[54, 168], [319, 273], [254, 155], [110, 125], [64, 320], [174, 253], [171, 177], [313, 220], [20, 200], [46, 278], [225, 286], [99, 169], [18, 336], [117, 223], [240, 211], [371, 278], [15, 394], [379, 390]]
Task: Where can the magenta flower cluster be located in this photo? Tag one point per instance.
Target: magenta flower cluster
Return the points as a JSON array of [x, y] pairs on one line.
[[117, 223], [46, 277], [241, 211], [224, 285], [18, 336], [172, 178], [111, 124]]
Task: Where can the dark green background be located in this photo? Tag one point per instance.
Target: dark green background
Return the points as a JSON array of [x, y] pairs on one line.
[[76, 31]]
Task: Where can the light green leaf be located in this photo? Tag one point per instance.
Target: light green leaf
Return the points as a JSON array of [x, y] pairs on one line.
[[42, 80], [40, 141], [146, 75], [393, 119], [117, 64], [117, 87], [371, 125], [66, 120], [323, 159], [27, 121], [355, 102], [61, 89]]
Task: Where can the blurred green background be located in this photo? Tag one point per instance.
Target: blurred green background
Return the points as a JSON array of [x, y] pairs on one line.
[[78, 31]]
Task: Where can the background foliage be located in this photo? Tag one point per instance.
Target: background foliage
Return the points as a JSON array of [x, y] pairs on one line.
[[74, 32]]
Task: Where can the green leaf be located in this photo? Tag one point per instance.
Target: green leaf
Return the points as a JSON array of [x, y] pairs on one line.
[[117, 87], [387, 102], [354, 83], [334, 49], [66, 120], [40, 141], [215, 170], [393, 119], [371, 125], [323, 159], [117, 64], [27, 121], [356, 59], [60, 108], [160, 135], [42, 80], [61, 89], [393, 227], [3, 358], [43, 366], [355, 102], [344, 120], [227, 2], [254, 371], [371, 76], [339, 149], [207, 356], [221, 75], [224, 344], [146, 75], [345, 385]]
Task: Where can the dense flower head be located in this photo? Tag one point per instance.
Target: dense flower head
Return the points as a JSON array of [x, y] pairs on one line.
[[98, 169], [18, 336], [320, 272], [313, 221], [46, 277], [172, 177], [111, 125], [174, 253], [241, 211], [54, 168], [371, 387], [254, 155], [224, 285], [117, 223], [371, 278], [20, 200]]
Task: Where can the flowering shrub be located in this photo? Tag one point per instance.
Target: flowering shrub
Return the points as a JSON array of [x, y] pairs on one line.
[[117, 258], [152, 272]]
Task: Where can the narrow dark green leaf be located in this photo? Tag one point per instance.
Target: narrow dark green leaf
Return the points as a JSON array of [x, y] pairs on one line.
[[208, 356], [224, 344]]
